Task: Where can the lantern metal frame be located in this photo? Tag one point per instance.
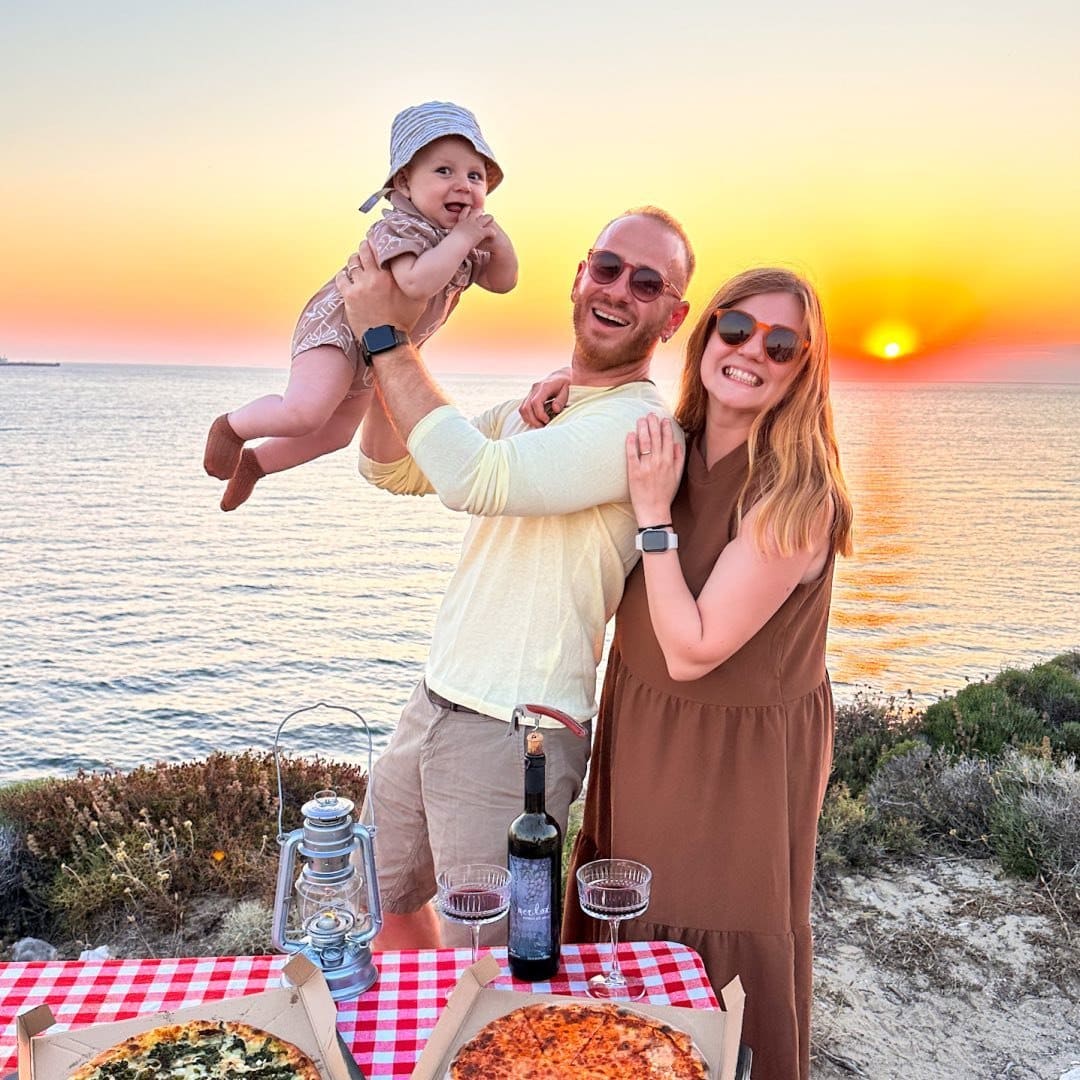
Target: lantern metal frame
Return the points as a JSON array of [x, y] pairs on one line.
[[329, 839]]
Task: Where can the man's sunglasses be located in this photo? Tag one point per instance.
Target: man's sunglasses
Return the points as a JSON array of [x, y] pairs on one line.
[[735, 327], [646, 284]]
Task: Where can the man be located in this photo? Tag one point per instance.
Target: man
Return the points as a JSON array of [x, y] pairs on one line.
[[542, 566]]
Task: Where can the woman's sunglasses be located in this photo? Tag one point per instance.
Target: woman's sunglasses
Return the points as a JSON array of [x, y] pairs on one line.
[[735, 327], [646, 284]]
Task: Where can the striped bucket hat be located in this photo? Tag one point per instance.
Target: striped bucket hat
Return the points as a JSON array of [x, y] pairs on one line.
[[413, 128]]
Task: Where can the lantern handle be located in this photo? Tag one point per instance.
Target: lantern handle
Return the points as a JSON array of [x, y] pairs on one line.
[[277, 762]]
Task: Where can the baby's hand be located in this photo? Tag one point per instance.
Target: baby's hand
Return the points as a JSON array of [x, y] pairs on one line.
[[476, 226], [546, 398]]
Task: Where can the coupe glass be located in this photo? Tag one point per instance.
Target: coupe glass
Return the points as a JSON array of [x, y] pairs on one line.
[[613, 890], [473, 895]]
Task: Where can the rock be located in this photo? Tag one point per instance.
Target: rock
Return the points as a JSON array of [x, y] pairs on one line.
[[1072, 1074], [100, 953], [32, 948]]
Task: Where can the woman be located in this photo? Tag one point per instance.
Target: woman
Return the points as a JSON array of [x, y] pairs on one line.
[[714, 738]]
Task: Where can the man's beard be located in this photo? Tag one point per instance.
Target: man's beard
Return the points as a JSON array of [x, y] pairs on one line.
[[603, 357]]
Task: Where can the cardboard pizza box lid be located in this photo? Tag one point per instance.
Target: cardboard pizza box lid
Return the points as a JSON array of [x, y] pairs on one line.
[[304, 1013], [472, 1004]]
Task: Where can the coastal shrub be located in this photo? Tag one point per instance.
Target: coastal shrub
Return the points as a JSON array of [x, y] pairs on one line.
[[1068, 661], [1050, 689], [846, 836], [948, 801], [982, 719], [866, 730], [187, 830], [245, 930], [1035, 821], [1015, 708]]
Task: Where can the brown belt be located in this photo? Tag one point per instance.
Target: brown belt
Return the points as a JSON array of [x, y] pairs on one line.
[[443, 703]]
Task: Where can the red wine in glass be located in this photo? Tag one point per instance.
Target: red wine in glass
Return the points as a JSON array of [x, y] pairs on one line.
[[613, 890], [473, 895]]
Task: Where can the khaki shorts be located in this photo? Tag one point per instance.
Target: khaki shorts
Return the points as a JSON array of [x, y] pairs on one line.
[[445, 791]]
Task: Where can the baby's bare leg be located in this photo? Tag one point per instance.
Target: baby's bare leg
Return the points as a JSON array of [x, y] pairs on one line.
[[319, 379], [274, 455]]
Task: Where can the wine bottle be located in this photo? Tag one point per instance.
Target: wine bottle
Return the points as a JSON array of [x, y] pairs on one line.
[[535, 859]]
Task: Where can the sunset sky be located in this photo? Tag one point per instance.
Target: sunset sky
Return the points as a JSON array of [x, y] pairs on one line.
[[176, 180]]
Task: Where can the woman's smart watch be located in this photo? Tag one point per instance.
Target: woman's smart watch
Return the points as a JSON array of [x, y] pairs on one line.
[[656, 540]]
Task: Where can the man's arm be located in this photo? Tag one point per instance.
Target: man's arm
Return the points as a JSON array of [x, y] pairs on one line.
[[558, 470], [373, 298]]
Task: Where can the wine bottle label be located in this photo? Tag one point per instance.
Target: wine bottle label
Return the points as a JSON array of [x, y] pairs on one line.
[[530, 908]]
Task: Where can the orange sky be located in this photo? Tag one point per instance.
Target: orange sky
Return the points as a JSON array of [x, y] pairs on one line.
[[177, 183]]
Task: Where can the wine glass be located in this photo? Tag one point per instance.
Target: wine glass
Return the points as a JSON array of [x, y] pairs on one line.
[[613, 890], [473, 895]]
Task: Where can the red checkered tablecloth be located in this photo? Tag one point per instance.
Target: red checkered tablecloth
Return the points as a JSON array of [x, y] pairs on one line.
[[387, 1027]]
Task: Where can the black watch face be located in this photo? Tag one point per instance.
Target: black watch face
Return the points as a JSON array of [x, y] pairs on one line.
[[654, 541], [380, 338]]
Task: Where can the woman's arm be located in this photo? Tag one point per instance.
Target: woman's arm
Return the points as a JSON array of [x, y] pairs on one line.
[[747, 585]]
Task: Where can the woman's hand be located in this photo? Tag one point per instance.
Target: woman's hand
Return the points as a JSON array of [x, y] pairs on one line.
[[546, 399], [654, 465]]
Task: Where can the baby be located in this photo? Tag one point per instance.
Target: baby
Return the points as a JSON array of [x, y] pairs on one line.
[[436, 240]]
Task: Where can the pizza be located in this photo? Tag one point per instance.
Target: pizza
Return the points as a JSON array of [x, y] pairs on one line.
[[200, 1050], [578, 1042]]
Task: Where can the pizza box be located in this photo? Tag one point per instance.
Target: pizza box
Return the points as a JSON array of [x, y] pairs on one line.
[[472, 1004], [304, 1014]]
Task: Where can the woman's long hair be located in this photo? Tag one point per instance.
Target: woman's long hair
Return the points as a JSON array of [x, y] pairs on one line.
[[794, 461]]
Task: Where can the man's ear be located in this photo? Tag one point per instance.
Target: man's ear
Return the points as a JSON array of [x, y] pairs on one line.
[[577, 281], [678, 315]]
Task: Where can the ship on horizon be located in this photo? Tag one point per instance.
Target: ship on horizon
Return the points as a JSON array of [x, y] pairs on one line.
[[5, 362]]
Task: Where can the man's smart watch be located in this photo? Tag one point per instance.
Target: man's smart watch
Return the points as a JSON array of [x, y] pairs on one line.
[[379, 339], [656, 540]]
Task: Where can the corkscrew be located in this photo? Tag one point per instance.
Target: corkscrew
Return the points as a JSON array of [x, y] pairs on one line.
[[523, 713]]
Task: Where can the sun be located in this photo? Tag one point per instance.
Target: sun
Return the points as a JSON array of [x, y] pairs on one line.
[[890, 339]]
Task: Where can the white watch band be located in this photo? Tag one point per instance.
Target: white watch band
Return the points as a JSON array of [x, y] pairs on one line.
[[656, 540]]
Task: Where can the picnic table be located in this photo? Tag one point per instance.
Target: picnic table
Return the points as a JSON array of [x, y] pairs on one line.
[[386, 1028]]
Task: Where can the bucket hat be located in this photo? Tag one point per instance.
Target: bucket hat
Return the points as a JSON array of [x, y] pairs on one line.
[[413, 128]]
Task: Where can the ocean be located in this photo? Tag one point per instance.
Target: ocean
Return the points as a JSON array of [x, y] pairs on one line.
[[142, 624]]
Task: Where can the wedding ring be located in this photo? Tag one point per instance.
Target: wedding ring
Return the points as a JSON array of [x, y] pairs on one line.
[[347, 272], [644, 452]]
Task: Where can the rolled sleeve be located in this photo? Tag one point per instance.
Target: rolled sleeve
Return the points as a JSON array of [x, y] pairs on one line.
[[401, 477]]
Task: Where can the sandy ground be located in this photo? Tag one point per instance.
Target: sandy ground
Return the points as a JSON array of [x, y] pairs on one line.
[[945, 970]]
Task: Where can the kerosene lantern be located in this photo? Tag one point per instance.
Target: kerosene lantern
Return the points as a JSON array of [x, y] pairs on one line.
[[334, 898]]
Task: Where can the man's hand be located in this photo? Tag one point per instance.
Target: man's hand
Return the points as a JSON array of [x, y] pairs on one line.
[[372, 296]]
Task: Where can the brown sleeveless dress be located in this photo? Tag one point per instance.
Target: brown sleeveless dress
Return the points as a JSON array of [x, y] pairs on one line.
[[717, 784]]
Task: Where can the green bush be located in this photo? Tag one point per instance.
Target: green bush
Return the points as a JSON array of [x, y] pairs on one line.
[[868, 730], [1068, 661], [982, 719], [1035, 820], [1050, 689], [847, 838], [1015, 708], [154, 839]]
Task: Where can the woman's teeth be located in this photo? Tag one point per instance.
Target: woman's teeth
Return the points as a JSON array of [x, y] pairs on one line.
[[740, 376]]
